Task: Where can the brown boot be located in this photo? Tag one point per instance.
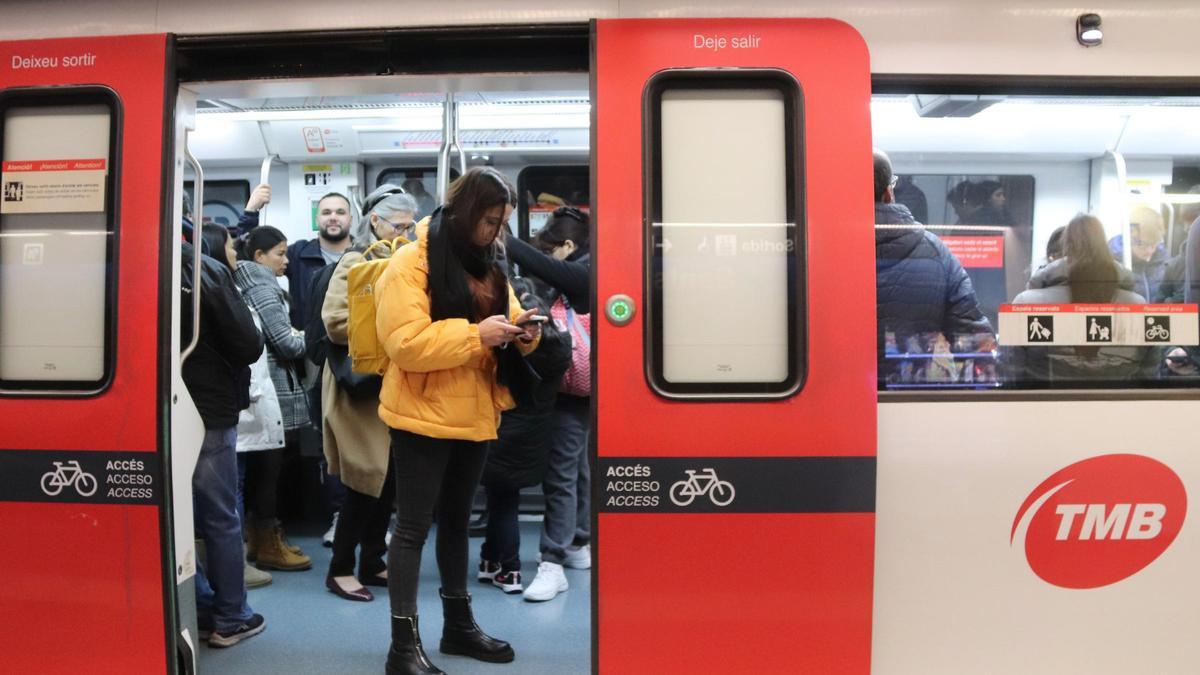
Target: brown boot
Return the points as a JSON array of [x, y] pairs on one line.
[[252, 542], [274, 553]]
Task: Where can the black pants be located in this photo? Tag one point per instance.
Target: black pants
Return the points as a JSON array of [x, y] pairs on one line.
[[263, 468], [431, 472], [503, 541], [363, 522]]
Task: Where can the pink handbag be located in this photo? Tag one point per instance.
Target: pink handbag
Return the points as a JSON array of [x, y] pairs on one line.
[[577, 381]]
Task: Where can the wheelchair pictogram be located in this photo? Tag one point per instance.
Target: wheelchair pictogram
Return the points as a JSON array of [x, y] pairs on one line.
[[700, 483], [68, 474]]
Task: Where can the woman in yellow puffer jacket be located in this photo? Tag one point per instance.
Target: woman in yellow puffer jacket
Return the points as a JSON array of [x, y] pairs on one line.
[[446, 317]]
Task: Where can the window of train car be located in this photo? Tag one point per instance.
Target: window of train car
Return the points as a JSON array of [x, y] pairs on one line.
[[421, 183], [57, 221], [224, 200], [545, 188], [1036, 242]]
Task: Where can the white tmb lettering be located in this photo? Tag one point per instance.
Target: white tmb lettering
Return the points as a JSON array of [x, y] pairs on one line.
[[1122, 521]]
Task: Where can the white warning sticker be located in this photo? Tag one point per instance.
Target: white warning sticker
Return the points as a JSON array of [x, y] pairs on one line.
[[1098, 325], [53, 186]]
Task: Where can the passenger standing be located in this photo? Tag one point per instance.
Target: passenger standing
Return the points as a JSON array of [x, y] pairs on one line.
[[1149, 254], [263, 260], [228, 342], [446, 317], [921, 288], [260, 425], [566, 529], [356, 441], [520, 456], [1088, 275]]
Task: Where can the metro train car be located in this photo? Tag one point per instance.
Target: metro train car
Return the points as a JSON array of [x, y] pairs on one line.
[[965, 449]]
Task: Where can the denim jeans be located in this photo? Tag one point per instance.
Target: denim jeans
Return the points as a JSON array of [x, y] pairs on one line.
[[567, 485], [220, 588]]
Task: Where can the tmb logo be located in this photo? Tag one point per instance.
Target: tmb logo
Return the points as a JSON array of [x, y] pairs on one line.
[[1101, 520]]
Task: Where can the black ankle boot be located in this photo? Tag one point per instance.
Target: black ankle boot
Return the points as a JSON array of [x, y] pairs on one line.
[[406, 657], [461, 635]]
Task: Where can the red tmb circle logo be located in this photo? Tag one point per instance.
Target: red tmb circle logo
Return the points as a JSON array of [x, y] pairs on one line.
[[1100, 520]]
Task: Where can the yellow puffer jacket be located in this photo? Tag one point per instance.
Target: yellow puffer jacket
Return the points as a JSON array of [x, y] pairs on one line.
[[441, 381]]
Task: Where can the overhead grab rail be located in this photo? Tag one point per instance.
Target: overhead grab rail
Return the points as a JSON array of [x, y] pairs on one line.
[[197, 240], [449, 140], [1123, 197], [264, 178]]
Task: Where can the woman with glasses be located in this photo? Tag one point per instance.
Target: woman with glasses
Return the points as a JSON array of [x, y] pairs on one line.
[[356, 441]]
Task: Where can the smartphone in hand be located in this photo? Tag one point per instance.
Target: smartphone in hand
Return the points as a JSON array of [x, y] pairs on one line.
[[535, 319]]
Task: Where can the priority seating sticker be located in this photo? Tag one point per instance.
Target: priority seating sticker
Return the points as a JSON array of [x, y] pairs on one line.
[[1100, 520], [53, 186]]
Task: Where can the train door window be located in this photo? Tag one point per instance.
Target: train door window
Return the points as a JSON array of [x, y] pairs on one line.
[[984, 284], [725, 274], [57, 226], [545, 188], [224, 200], [420, 183]]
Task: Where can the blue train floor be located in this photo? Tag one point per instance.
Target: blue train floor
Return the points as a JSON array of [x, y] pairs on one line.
[[310, 630]]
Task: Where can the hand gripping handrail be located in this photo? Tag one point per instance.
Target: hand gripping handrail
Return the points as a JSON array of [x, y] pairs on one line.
[[264, 178]]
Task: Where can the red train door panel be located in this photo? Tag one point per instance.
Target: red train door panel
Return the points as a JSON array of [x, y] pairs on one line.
[[736, 476], [82, 489]]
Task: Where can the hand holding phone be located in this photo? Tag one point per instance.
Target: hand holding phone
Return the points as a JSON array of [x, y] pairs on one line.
[[535, 319]]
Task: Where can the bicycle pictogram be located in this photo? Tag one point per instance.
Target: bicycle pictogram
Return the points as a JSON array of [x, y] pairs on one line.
[[700, 483], [68, 474], [1157, 329]]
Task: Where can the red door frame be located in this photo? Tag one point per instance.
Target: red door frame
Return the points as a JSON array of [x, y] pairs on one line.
[[784, 591], [88, 581]]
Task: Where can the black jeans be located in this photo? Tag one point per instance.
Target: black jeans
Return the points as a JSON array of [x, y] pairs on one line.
[[263, 468], [503, 541], [431, 472], [363, 522]]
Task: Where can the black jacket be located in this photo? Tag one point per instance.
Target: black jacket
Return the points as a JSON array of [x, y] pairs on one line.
[[920, 286], [229, 343], [573, 277], [519, 456]]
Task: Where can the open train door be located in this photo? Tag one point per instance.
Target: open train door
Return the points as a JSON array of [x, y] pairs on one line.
[[84, 314], [735, 399]]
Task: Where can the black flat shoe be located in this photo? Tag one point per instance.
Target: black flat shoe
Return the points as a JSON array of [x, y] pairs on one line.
[[361, 595], [373, 580]]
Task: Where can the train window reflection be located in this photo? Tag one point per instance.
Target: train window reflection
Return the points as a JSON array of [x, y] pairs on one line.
[[56, 249], [985, 282]]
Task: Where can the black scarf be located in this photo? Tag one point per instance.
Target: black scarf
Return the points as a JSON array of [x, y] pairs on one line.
[[451, 259]]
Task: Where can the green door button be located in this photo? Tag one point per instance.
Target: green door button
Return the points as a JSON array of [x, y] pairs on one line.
[[620, 309]]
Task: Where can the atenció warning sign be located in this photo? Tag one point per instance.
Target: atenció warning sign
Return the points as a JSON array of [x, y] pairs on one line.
[[53, 186]]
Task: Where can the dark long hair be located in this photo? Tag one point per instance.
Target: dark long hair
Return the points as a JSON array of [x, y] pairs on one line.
[[567, 222], [261, 238], [213, 238], [453, 255], [1091, 271]]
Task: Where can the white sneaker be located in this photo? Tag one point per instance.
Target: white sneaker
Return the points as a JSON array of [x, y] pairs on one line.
[[579, 558], [549, 582], [327, 538]]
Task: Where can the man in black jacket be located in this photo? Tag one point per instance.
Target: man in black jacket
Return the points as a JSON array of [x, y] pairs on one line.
[[228, 343], [922, 291]]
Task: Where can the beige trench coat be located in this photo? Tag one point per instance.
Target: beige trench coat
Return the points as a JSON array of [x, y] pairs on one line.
[[357, 444]]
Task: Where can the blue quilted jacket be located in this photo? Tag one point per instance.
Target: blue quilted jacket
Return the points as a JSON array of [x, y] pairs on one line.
[[920, 286]]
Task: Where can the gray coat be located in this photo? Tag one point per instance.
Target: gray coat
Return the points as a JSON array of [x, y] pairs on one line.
[[284, 345]]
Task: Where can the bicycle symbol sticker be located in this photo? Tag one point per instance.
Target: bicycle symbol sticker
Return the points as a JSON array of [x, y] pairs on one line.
[[1158, 328], [700, 483], [68, 474]]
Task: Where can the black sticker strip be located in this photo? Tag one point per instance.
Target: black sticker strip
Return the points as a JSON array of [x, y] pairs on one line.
[[736, 484], [99, 477]]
